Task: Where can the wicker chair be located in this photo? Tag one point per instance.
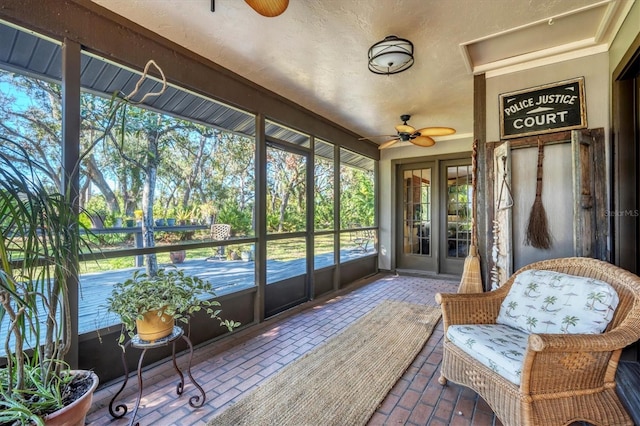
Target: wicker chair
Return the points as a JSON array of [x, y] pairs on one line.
[[564, 378], [219, 232]]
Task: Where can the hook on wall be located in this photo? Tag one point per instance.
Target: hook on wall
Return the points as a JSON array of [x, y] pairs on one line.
[[503, 184]]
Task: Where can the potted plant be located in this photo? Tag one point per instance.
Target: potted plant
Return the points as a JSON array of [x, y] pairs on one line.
[[177, 256], [246, 253], [208, 212], [184, 216], [233, 254], [165, 298], [39, 245], [137, 216]]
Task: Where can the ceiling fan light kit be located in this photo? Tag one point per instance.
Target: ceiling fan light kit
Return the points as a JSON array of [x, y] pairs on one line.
[[390, 56]]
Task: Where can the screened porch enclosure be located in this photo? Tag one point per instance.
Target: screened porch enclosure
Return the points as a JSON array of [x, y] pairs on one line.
[[153, 182]]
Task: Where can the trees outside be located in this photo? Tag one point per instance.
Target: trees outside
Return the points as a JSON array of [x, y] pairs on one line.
[[286, 191], [166, 166], [357, 197], [140, 161], [324, 194]]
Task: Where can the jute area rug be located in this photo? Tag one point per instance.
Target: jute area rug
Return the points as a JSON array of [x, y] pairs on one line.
[[343, 381]]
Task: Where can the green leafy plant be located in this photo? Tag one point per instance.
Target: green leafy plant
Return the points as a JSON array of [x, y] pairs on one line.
[[170, 292], [42, 397], [186, 215], [39, 245]]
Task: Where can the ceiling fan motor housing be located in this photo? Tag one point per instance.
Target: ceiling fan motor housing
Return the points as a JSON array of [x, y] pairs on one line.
[[406, 136]]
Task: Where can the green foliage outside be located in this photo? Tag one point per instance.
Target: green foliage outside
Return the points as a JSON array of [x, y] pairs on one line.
[[187, 171], [357, 201], [241, 221]]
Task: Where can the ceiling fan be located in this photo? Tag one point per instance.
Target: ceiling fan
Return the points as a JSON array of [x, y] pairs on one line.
[[268, 8], [420, 137]]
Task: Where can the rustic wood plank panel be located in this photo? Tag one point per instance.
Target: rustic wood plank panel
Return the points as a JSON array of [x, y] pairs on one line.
[[628, 382]]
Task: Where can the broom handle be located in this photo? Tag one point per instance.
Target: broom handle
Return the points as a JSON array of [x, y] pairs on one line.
[[539, 171], [474, 172]]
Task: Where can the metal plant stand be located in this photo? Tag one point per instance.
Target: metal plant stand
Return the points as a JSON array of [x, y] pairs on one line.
[[195, 401]]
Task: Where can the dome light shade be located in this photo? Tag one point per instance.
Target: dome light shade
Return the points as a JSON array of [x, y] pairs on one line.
[[391, 55]]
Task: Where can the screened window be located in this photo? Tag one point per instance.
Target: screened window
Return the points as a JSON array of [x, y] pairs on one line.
[[357, 205], [163, 173]]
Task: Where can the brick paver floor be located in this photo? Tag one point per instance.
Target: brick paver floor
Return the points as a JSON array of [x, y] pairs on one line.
[[229, 369]]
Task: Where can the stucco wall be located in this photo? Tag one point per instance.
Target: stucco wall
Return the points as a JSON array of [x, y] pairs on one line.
[[626, 34], [557, 194]]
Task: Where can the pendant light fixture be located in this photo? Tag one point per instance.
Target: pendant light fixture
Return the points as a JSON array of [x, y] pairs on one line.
[[391, 55]]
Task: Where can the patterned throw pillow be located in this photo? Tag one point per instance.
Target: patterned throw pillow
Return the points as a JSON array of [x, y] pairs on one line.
[[543, 301]]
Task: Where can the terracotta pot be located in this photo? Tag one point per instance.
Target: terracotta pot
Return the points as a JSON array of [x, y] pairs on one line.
[[177, 256], [247, 256], [152, 327], [75, 413]]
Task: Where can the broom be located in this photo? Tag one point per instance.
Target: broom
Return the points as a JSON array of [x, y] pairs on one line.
[[471, 281], [537, 234]]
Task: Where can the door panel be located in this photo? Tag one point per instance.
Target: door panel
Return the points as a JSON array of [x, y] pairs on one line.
[[457, 215], [415, 213], [433, 230]]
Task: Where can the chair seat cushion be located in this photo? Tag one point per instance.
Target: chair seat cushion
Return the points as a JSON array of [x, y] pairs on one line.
[[541, 301], [499, 347]]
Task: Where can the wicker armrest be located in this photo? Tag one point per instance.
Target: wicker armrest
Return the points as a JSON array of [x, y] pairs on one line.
[[469, 308], [579, 362], [608, 341]]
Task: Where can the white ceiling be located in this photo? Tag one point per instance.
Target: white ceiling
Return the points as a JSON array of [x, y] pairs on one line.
[[315, 53]]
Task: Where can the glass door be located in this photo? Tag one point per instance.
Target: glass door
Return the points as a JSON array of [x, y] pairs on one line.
[[457, 217], [417, 247], [433, 216]]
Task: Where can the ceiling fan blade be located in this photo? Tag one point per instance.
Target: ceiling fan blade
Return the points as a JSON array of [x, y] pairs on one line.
[[376, 136], [268, 8], [436, 131], [387, 144], [404, 128], [425, 141]]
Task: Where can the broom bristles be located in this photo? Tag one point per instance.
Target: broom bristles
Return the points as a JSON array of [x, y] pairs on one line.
[[471, 281], [538, 234]]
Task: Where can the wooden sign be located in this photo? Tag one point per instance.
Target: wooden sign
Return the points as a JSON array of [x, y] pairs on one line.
[[544, 109]]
